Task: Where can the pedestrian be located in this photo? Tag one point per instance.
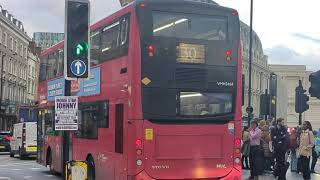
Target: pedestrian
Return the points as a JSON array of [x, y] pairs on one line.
[[245, 149], [279, 136], [293, 145], [265, 139], [255, 137], [299, 131], [305, 148], [314, 155], [262, 123]]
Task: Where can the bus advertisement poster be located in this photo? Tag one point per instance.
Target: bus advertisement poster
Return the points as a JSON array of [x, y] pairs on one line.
[[66, 113]]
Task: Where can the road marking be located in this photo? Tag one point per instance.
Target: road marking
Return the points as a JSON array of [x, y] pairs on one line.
[[26, 177], [16, 169], [16, 164], [7, 178], [48, 175], [34, 168]]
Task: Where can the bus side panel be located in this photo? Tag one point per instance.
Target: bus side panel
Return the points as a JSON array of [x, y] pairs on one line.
[[53, 147]]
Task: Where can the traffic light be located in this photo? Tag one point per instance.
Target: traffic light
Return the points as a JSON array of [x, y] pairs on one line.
[[301, 99], [314, 89], [77, 41], [265, 104]]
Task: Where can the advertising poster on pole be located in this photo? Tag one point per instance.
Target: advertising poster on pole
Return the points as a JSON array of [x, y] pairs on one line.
[[66, 113]]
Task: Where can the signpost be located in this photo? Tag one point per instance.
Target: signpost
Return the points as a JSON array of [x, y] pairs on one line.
[[66, 113], [76, 66]]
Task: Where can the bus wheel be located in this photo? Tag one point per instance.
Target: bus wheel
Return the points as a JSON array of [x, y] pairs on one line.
[[49, 160], [91, 168]]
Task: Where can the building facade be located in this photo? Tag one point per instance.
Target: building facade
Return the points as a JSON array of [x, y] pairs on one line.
[[260, 70], [47, 39], [13, 67], [33, 76], [291, 74]]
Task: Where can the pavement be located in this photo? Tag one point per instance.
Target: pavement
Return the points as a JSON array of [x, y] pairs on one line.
[[290, 175], [16, 169]]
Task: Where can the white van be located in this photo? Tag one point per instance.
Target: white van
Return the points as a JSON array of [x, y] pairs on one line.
[[24, 139]]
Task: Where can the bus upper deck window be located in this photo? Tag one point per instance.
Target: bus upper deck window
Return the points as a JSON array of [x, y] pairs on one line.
[[124, 31]]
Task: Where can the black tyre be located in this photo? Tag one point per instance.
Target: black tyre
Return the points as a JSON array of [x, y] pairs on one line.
[[49, 161], [91, 168]]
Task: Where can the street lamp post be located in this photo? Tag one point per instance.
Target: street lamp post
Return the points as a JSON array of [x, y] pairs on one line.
[[250, 64], [1, 88]]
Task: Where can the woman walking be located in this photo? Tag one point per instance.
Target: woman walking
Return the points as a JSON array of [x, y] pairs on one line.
[[305, 148]]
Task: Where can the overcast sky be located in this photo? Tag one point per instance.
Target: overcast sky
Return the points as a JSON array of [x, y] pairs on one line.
[[289, 29]]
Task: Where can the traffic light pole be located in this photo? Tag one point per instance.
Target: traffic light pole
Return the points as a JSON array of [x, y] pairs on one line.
[[300, 119], [67, 140]]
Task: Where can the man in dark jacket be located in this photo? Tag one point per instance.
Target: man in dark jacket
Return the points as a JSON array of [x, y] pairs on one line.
[[279, 137]]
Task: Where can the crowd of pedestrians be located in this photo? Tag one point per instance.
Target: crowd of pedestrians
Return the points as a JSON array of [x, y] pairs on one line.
[[268, 147]]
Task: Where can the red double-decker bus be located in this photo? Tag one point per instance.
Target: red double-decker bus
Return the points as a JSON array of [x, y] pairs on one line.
[[164, 97]]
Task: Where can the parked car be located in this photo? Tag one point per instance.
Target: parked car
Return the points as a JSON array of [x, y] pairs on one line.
[[24, 139], [5, 138]]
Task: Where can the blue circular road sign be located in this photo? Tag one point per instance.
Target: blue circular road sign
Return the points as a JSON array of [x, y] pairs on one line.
[[78, 67]]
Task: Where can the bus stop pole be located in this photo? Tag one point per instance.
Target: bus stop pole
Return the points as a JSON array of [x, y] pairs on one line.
[[66, 136]]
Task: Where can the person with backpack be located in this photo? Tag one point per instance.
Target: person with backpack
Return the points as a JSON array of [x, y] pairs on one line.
[[305, 148], [279, 136]]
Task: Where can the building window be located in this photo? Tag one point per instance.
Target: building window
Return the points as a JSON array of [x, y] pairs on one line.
[[21, 50], [26, 52], [5, 40], [33, 73], [11, 41], [16, 46]]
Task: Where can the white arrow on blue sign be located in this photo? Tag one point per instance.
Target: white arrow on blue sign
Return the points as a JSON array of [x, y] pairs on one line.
[[78, 67]]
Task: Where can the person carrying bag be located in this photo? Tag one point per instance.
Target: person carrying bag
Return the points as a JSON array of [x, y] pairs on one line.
[[305, 148]]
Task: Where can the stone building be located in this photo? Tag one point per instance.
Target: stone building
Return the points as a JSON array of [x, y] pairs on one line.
[[33, 73], [260, 70], [47, 39], [291, 74], [13, 67]]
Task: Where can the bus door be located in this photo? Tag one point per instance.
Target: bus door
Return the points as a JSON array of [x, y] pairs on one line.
[[120, 135]]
